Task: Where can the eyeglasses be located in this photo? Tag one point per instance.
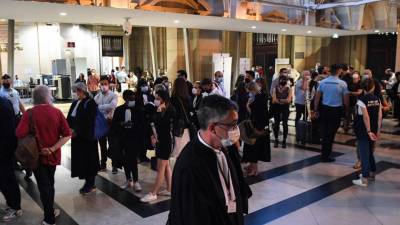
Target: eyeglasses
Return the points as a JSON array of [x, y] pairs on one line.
[[229, 126]]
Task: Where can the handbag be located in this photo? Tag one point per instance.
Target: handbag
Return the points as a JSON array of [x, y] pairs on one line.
[[27, 152], [192, 126], [248, 133]]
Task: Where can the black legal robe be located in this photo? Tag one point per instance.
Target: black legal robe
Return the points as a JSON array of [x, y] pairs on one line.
[[197, 196]]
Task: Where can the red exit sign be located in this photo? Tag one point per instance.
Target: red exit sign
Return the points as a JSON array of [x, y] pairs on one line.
[[71, 44]]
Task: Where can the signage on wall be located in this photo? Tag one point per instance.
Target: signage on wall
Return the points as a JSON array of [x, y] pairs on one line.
[[112, 46], [71, 44]]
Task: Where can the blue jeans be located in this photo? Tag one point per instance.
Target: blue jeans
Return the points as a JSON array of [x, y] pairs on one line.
[[366, 150]]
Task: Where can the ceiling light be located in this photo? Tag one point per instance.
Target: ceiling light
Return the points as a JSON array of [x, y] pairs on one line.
[[63, 13], [335, 35], [253, 27], [376, 31], [3, 20], [177, 21], [309, 32], [284, 30]]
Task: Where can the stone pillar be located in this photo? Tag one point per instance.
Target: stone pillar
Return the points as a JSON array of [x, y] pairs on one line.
[[398, 51], [10, 48], [172, 52]]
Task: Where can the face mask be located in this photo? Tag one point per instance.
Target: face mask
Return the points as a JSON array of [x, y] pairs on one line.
[[194, 91], [233, 137], [104, 88], [74, 96], [252, 95], [157, 103], [6, 85], [144, 89], [131, 104], [220, 80]]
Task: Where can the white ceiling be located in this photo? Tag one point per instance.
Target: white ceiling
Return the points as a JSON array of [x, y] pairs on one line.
[[25, 11]]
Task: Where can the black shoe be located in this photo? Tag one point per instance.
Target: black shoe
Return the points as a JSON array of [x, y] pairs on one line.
[[144, 160], [328, 160], [114, 170], [283, 144], [276, 144], [87, 190]]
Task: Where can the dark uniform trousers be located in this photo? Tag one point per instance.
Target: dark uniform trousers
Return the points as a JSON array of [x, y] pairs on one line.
[[330, 123]]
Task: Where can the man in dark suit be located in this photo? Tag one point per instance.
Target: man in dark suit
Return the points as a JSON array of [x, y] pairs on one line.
[[8, 142], [208, 186]]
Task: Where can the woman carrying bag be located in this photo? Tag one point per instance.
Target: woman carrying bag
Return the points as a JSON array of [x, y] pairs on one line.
[[258, 110]]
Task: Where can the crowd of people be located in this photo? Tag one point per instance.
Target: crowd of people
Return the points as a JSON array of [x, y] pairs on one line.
[[195, 124]]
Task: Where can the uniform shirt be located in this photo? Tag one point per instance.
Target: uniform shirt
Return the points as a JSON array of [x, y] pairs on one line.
[[13, 96], [333, 89], [18, 83], [121, 77], [107, 103]]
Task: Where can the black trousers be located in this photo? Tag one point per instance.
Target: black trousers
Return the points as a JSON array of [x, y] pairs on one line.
[[104, 150], [330, 122], [281, 114], [9, 186], [44, 175], [90, 182], [130, 161], [300, 111]]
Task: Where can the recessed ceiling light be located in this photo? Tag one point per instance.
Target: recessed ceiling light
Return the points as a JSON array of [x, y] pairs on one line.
[[177, 21], [309, 32], [335, 35], [284, 30], [253, 27], [63, 13], [376, 31]]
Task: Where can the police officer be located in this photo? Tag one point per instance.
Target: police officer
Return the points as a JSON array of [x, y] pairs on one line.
[[12, 95], [335, 100]]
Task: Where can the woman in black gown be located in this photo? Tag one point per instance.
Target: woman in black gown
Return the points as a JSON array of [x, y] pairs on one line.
[[257, 107]]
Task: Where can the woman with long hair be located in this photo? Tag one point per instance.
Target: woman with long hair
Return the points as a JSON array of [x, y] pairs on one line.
[[182, 103], [162, 140]]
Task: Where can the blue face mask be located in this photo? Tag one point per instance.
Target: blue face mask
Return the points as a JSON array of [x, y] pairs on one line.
[[220, 80], [131, 104], [252, 95]]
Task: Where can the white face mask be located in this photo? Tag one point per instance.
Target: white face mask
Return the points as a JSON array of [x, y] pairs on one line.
[[144, 89], [104, 88], [131, 104], [194, 91], [233, 137], [157, 103], [74, 96]]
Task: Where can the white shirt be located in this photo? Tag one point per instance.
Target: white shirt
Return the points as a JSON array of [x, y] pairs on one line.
[[128, 115], [13, 96], [18, 83], [121, 76], [230, 197], [73, 114], [392, 80], [107, 103]]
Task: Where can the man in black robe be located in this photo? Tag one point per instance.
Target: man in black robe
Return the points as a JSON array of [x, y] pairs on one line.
[[208, 187]]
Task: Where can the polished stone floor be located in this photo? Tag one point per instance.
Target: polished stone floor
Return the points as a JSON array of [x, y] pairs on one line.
[[295, 188]]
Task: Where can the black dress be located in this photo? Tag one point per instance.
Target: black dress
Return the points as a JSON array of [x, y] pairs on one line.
[[241, 100], [84, 149], [197, 196], [261, 150], [163, 124]]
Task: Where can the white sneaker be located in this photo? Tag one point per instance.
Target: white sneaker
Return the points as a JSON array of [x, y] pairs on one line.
[[164, 193], [44, 223], [149, 197], [127, 184], [361, 182], [11, 215], [137, 187]]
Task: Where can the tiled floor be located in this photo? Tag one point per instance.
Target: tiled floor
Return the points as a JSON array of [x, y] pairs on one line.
[[296, 189]]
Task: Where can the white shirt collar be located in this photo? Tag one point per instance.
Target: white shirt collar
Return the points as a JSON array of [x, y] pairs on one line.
[[204, 143]]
